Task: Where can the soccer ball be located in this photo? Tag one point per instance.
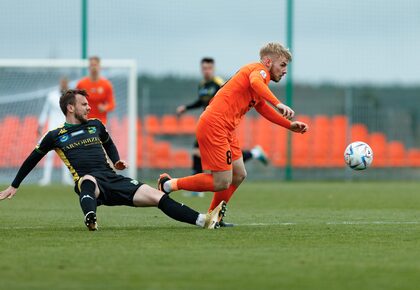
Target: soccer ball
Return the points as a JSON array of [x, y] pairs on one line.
[[358, 155]]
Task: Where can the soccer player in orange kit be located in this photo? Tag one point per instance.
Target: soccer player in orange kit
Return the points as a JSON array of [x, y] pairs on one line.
[[218, 144], [101, 96]]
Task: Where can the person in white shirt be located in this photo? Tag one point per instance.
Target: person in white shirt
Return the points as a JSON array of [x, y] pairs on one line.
[[51, 114]]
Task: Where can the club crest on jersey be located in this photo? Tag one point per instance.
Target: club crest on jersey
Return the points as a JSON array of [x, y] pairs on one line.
[[91, 130], [64, 138], [263, 73]]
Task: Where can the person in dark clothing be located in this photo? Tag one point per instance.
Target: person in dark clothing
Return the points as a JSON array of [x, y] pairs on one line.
[[207, 89], [82, 144]]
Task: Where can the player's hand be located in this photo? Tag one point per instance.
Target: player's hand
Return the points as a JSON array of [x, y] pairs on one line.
[[299, 127], [8, 193], [120, 165], [286, 111], [102, 108], [181, 109]]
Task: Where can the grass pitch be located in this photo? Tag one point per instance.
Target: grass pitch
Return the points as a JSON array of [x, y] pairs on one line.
[[290, 236]]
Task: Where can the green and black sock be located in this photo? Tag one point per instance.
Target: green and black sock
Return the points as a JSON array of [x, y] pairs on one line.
[[87, 196], [177, 211]]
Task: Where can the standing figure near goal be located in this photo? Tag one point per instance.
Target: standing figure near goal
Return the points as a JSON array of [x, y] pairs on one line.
[[218, 144], [99, 89], [52, 115], [207, 89], [81, 143]]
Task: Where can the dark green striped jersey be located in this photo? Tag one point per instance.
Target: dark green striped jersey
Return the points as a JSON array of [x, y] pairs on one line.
[[206, 91], [81, 147]]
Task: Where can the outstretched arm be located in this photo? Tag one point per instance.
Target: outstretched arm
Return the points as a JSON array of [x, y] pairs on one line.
[[24, 170], [259, 86], [195, 105], [271, 114], [183, 108], [27, 166], [45, 145]]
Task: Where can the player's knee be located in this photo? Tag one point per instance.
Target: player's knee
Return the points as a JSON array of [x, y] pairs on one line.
[[147, 196], [89, 177], [156, 197], [222, 184], [240, 177]]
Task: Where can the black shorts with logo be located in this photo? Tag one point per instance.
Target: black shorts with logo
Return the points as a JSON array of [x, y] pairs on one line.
[[114, 189]]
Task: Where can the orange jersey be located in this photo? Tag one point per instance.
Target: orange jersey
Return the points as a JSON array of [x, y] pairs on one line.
[[100, 92], [246, 89]]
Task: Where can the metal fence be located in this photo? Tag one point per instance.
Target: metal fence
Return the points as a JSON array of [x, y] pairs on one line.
[[349, 61]]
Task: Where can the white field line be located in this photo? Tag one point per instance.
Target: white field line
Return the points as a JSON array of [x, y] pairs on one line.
[[268, 224], [25, 228], [265, 224], [337, 223], [374, 223]]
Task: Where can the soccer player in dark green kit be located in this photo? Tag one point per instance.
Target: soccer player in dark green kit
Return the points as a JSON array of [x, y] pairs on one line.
[[207, 89], [81, 143]]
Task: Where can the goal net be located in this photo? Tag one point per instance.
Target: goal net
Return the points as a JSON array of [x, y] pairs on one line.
[[24, 87]]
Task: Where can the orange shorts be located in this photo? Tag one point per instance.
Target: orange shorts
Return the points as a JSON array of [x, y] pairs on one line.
[[218, 146]]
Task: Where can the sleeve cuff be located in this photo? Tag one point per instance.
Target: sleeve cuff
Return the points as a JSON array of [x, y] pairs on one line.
[[14, 184]]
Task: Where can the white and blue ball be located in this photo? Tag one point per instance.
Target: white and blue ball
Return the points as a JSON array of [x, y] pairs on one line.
[[358, 155]]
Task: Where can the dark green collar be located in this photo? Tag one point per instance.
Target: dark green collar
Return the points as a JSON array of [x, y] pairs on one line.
[[68, 125]]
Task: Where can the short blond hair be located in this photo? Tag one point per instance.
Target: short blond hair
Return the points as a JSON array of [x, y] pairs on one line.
[[275, 49]]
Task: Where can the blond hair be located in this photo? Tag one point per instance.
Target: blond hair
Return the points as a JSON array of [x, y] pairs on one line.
[[95, 58], [275, 49]]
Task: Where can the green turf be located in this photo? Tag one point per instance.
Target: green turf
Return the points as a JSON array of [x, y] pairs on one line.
[[290, 236]]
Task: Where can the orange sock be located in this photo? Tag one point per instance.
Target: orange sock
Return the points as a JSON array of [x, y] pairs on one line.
[[222, 195], [197, 182]]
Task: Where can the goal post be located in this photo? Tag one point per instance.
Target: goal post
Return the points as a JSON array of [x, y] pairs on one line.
[[25, 83]]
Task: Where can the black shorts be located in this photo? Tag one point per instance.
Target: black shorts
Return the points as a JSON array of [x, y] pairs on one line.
[[114, 189], [195, 144]]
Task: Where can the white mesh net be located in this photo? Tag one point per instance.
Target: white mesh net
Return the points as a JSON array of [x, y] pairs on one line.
[[24, 88]]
